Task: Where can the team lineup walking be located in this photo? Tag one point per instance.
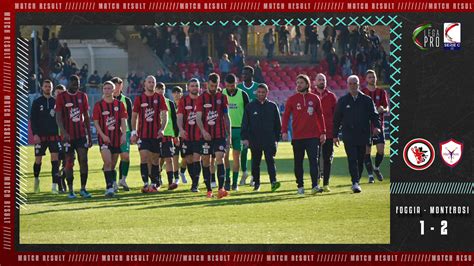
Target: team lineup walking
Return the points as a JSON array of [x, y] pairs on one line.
[[197, 131]]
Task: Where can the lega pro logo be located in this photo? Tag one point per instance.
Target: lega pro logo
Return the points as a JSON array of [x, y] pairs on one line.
[[425, 36], [419, 154]]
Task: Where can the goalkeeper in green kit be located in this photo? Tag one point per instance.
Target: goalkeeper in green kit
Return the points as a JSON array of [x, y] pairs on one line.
[[237, 100], [124, 148], [250, 87]]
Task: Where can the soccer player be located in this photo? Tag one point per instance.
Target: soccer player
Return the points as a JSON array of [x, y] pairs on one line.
[[237, 99], [177, 93], [110, 120], [261, 128], [213, 120], [45, 135], [328, 103], [250, 87], [309, 131], [124, 148], [151, 113], [189, 132], [167, 148], [379, 96], [72, 116], [62, 188]]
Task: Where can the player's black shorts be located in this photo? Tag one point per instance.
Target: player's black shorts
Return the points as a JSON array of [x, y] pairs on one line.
[[379, 139], [190, 147], [113, 150], [213, 146], [152, 145], [167, 149], [72, 145], [179, 150], [53, 146]]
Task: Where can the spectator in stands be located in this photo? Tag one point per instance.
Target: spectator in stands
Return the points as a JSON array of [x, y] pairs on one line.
[[63, 81], [269, 42], [107, 76], [53, 46], [64, 52], [327, 46], [374, 39], [204, 46], [329, 32], [297, 41], [172, 77], [384, 66], [195, 40], [197, 76], [313, 44], [133, 81], [208, 67], [182, 49], [84, 72], [346, 65], [33, 85], [239, 60], [374, 52], [364, 40], [38, 49], [354, 37], [238, 35], [168, 59], [284, 40], [160, 76], [362, 61], [225, 65], [307, 33], [57, 70], [258, 76], [69, 68], [333, 62], [94, 80], [342, 37], [220, 46], [231, 46], [45, 35]]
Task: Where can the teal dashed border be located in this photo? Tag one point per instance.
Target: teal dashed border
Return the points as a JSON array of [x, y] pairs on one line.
[[395, 52]]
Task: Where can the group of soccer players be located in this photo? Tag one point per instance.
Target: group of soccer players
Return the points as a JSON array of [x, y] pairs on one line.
[[201, 126]]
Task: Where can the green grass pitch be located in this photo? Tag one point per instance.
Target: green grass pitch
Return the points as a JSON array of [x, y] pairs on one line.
[[180, 216]]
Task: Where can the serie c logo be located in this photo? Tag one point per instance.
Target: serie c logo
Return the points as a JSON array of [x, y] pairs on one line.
[[419, 154]]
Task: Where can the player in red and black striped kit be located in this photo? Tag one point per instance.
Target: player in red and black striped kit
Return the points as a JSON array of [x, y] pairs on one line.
[[110, 120], [45, 135], [72, 116], [190, 133], [379, 96], [151, 113], [213, 120]]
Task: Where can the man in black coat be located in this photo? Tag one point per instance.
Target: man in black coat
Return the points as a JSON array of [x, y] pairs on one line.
[[355, 113], [261, 126]]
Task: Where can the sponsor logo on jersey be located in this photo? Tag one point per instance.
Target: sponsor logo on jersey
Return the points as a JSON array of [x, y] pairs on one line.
[[75, 114], [149, 113]]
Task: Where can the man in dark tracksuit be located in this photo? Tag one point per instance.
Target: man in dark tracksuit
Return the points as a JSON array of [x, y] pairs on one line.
[[260, 131], [45, 134], [354, 113]]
